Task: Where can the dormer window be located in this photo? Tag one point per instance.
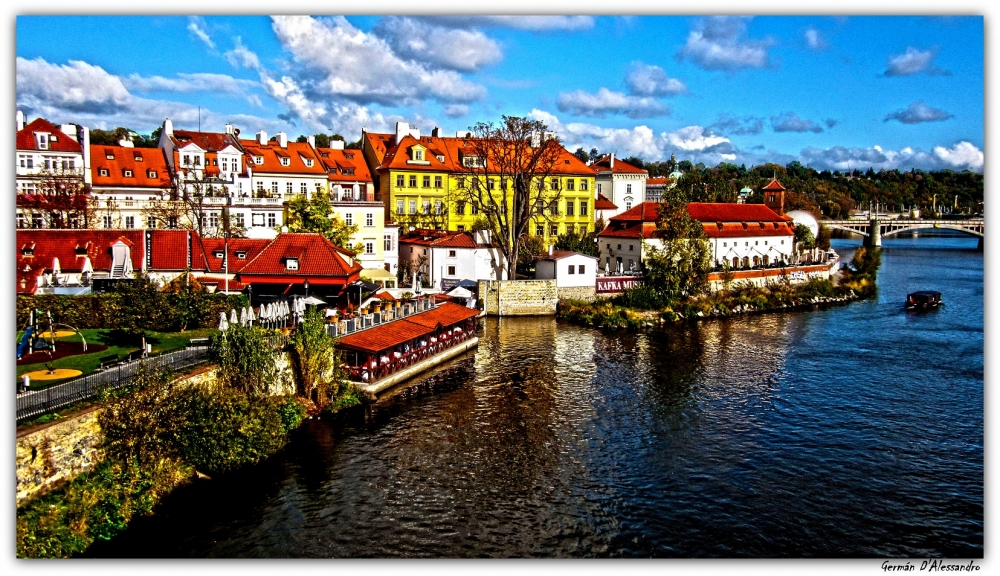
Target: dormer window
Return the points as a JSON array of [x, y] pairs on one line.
[[218, 254], [258, 159], [53, 138], [104, 172], [349, 155], [137, 158], [81, 250], [128, 173], [28, 250], [109, 155], [187, 160], [151, 173], [291, 264], [43, 141], [197, 160], [241, 255], [286, 162], [309, 163], [440, 157], [418, 154]]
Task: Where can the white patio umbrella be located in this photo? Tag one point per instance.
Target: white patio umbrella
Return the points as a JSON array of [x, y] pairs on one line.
[[243, 316], [233, 318], [312, 301], [223, 324], [250, 315]]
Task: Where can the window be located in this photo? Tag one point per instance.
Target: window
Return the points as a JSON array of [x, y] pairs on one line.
[[258, 159], [241, 255], [628, 204], [369, 219], [286, 161], [572, 269], [171, 221], [452, 253], [427, 181], [724, 245], [288, 188], [303, 188], [491, 184], [309, 163], [475, 208], [554, 231], [583, 207], [399, 180], [427, 207], [460, 228], [598, 188], [291, 264], [460, 207], [413, 181], [274, 186], [106, 222], [418, 154], [369, 247], [570, 207], [387, 246], [217, 254], [257, 219], [197, 160], [555, 184], [554, 208], [580, 268], [150, 222], [399, 206], [630, 247], [103, 172], [272, 219], [128, 173], [130, 221], [239, 220], [413, 206], [451, 270], [349, 219], [628, 188], [225, 164], [151, 173], [438, 207], [460, 182], [43, 142], [570, 229], [437, 181], [570, 184], [539, 230], [260, 186]]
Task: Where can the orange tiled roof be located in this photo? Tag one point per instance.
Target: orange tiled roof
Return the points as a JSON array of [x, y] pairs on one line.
[[251, 246], [748, 229], [646, 212], [63, 143], [394, 333], [728, 212], [296, 152], [344, 165], [603, 203], [774, 186], [207, 141], [620, 167], [139, 162], [318, 258]]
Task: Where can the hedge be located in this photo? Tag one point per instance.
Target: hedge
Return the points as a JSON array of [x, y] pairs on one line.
[[103, 310]]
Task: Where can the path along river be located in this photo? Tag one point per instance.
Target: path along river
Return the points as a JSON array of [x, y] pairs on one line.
[[846, 432]]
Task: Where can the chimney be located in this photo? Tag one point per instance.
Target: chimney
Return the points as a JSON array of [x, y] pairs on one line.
[[551, 246], [20, 120], [282, 139], [336, 144], [402, 129], [229, 128], [69, 130], [311, 139], [88, 178], [168, 127], [436, 132], [612, 160], [262, 138]]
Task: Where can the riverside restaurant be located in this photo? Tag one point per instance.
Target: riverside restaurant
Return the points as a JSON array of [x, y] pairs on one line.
[[381, 351]]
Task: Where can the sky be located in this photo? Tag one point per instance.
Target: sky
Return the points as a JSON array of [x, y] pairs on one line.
[[833, 92]]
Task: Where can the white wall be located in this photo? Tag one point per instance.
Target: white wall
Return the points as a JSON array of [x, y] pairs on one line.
[[559, 270], [775, 247]]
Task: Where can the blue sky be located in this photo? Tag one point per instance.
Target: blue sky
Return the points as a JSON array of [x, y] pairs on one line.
[[831, 92]]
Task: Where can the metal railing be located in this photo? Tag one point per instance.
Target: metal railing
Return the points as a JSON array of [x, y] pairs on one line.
[[35, 403], [348, 326]]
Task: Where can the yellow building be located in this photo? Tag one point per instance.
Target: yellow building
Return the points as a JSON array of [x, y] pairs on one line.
[[424, 183]]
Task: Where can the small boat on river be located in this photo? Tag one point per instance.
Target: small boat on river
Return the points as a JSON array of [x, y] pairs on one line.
[[922, 300]]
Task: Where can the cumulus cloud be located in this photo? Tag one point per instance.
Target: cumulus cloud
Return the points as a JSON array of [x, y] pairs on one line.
[[531, 23], [913, 62], [335, 59], [241, 56], [455, 49], [918, 113], [730, 124], [815, 40], [196, 26], [790, 122], [720, 43], [962, 156], [580, 103], [456, 110], [199, 82], [646, 80]]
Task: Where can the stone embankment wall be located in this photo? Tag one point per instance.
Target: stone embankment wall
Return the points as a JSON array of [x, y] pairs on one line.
[[519, 297], [587, 293], [49, 455], [770, 275]]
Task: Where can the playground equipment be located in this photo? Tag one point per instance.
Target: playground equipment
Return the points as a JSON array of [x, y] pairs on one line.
[[34, 340]]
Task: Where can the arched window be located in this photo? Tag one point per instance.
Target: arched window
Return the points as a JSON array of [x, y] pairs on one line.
[[767, 260], [756, 261], [736, 262], [746, 261]]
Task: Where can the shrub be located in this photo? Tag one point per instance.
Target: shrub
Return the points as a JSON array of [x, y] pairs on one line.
[[246, 359]]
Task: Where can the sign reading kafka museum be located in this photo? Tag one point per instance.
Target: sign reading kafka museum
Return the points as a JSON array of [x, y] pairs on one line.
[[613, 284]]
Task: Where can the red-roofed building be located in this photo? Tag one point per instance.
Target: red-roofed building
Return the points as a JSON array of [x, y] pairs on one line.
[[424, 182], [620, 182], [285, 266], [443, 258], [51, 174], [125, 180]]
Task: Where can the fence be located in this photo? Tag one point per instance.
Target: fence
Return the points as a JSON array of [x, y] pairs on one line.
[[366, 321], [35, 403]]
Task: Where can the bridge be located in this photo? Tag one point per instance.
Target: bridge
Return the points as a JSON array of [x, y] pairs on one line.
[[873, 230]]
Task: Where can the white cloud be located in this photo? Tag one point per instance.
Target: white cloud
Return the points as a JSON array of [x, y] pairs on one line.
[[335, 59], [241, 56], [647, 80], [790, 122], [455, 49], [196, 26], [199, 82], [532, 23], [917, 113], [580, 103], [814, 39], [964, 155], [456, 110], [719, 43], [912, 62]]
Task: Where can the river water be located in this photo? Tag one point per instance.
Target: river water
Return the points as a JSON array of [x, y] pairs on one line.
[[853, 431]]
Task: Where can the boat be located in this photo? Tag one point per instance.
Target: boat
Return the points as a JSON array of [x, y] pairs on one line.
[[922, 300]]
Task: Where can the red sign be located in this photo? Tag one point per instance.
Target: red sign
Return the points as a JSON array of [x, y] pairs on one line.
[[612, 284]]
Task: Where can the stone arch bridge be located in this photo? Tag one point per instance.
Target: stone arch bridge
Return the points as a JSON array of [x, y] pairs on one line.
[[873, 230]]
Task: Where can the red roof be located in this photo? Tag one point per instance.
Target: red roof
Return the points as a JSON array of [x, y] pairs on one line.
[[345, 165], [657, 181], [728, 212], [394, 333], [120, 166], [738, 230], [207, 141], [630, 229], [603, 203], [317, 257], [72, 247], [645, 212], [296, 152], [560, 254], [620, 167], [61, 143], [250, 247], [439, 239], [774, 185]]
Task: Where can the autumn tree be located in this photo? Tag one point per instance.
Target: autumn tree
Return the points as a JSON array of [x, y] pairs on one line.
[[57, 199], [316, 215], [508, 166]]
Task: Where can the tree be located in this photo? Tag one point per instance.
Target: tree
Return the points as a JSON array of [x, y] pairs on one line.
[[316, 365], [188, 300], [57, 199], [246, 360], [509, 165], [316, 215], [140, 304], [582, 243], [680, 268], [582, 155]]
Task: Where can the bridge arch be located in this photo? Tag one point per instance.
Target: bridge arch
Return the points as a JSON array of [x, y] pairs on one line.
[[929, 226]]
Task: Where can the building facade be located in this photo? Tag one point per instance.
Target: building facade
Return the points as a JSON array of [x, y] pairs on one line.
[[623, 184], [52, 174], [439, 256]]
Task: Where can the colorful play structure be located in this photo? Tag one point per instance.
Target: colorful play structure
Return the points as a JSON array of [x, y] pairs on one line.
[[34, 339]]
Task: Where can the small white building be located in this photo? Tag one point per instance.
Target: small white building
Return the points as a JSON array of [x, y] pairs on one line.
[[441, 256], [575, 274]]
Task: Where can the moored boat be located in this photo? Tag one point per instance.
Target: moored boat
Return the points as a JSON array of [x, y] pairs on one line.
[[923, 299]]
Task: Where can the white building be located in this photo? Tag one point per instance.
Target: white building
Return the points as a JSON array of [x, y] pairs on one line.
[[620, 182], [447, 257], [569, 269], [50, 157], [125, 180]]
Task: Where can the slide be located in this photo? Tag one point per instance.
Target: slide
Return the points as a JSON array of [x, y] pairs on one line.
[[22, 346]]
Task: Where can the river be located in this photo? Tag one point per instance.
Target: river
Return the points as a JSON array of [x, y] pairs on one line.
[[854, 431]]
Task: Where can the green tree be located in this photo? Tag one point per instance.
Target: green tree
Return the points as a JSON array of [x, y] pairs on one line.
[[316, 215], [804, 237], [140, 304], [316, 361], [245, 358], [188, 301], [582, 155], [680, 268], [582, 243]]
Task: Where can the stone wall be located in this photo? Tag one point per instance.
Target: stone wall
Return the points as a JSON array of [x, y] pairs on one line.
[[519, 297], [771, 275], [587, 293]]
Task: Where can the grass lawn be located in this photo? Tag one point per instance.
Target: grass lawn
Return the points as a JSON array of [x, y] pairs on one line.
[[117, 343]]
